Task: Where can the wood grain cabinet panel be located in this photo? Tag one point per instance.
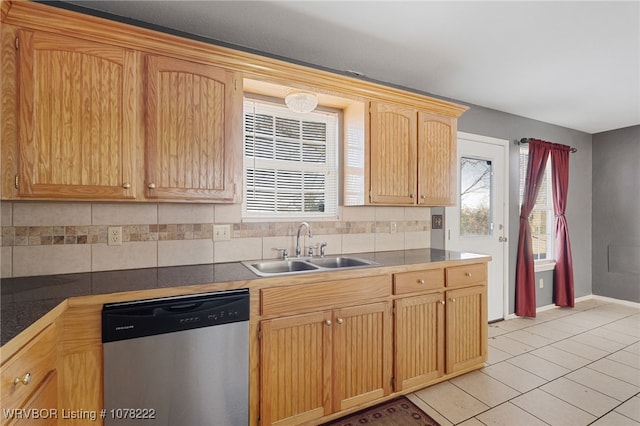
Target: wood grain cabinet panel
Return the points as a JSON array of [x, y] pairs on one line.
[[412, 156], [193, 130], [27, 375], [362, 354], [315, 364], [420, 340], [418, 281], [437, 158], [77, 100], [295, 368], [44, 402], [393, 132], [466, 328]]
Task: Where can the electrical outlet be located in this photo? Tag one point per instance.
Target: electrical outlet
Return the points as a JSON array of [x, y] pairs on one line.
[[541, 283], [114, 235], [221, 232], [393, 228]]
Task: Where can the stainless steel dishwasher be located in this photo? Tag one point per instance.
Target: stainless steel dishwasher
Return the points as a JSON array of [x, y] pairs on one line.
[[177, 361]]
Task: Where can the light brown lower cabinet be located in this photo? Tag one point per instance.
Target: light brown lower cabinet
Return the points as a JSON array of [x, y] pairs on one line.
[[439, 333], [419, 344], [29, 385], [319, 363], [42, 407], [466, 328]]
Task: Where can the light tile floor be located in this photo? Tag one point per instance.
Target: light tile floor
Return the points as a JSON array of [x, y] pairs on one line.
[[571, 367]]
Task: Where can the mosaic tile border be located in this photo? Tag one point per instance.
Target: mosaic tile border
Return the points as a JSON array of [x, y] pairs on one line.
[[97, 234]]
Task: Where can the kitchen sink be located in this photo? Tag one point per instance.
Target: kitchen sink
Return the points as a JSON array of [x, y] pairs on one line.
[[269, 268], [339, 262]]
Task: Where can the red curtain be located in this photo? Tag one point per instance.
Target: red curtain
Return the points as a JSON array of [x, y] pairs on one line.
[[563, 273], [525, 273]]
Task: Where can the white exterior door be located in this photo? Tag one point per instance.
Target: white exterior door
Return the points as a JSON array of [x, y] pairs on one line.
[[478, 223]]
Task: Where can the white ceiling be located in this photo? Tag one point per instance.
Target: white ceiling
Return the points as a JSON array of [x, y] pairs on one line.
[[575, 64]]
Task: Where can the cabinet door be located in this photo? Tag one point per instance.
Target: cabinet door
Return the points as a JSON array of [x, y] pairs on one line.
[[43, 402], [392, 154], [193, 130], [77, 109], [361, 354], [466, 328], [419, 331], [295, 368], [437, 138]]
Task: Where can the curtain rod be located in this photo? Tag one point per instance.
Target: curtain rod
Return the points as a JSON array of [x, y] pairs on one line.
[[526, 140]]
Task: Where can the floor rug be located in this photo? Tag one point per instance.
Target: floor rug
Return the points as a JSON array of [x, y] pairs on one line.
[[396, 412]]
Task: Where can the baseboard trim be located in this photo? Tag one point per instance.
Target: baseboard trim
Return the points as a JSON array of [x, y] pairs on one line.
[[582, 299]]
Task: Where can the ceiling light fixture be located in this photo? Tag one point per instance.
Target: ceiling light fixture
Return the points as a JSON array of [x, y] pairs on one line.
[[301, 101]]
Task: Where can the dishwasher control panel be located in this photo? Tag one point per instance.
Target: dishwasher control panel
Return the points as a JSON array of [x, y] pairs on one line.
[[139, 318]]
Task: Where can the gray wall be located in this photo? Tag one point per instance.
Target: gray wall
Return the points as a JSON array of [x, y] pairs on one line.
[[487, 122], [616, 204]]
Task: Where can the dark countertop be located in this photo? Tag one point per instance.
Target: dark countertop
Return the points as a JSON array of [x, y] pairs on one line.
[[25, 299]]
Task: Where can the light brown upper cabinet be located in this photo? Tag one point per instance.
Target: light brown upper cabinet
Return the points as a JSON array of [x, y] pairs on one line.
[[412, 156], [76, 117], [193, 130]]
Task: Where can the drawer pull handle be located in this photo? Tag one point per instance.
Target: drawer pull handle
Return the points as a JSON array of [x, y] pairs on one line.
[[420, 281], [327, 322], [339, 320], [467, 274], [25, 380]]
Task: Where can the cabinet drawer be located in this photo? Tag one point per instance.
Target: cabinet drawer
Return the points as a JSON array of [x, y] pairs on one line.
[[466, 274], [36, 358], [418, 281], [307, 297]]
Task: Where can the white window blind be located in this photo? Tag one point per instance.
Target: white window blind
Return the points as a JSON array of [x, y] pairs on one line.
[[290, 162], [542, 217]]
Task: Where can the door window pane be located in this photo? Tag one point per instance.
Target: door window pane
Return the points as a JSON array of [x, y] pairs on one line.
[[475, 197]]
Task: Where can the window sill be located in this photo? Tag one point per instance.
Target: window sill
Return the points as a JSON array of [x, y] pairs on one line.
[[548, 265]]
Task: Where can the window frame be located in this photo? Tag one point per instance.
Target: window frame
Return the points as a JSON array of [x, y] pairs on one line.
[[549, 262], [331, 166]]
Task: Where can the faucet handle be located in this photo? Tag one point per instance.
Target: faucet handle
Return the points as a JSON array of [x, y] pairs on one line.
[[285, 252], [323, 246], [310, 251]]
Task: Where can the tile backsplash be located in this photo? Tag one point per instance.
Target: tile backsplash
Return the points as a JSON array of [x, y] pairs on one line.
[[42, 238]]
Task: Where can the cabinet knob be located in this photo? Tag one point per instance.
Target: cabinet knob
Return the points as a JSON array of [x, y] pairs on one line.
[[327, 322], [442, 302], [467, 274], [126, 185], [423, 197], [420, 281], [452, 299], [25, 380], [339, 320], [151, 186], [412, 195]]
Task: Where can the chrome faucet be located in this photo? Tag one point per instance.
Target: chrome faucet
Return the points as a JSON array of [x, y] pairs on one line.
[[298, 249]]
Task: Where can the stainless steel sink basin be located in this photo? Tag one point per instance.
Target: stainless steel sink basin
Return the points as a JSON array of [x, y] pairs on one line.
[[339, 262], [269, 268]]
